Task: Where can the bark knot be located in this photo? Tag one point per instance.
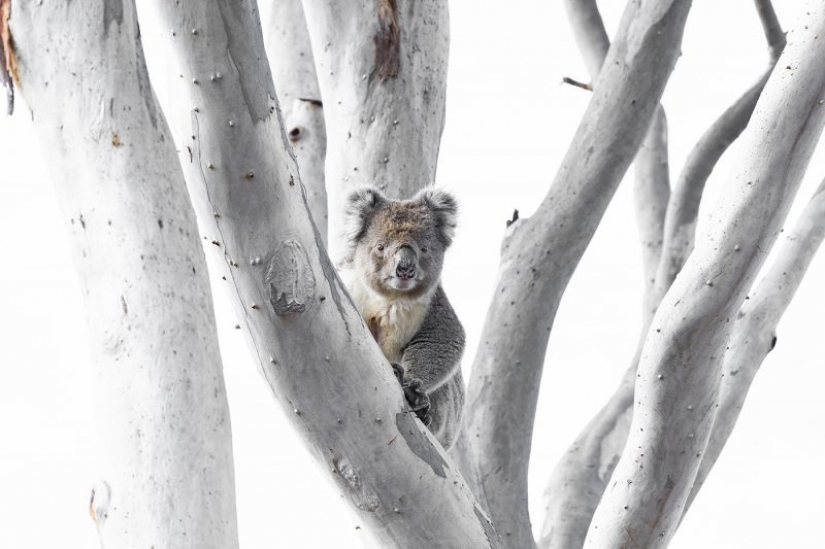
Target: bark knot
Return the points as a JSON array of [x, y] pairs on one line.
[[289, 279]]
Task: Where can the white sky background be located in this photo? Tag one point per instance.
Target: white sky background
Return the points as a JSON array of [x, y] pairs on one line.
[[509, 121]]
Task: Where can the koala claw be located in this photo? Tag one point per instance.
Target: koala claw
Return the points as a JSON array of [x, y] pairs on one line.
[[414, 394]]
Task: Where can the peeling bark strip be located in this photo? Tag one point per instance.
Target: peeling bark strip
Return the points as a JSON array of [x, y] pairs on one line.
[[289, 279], [387, 41], [416, 439], [8, 63]]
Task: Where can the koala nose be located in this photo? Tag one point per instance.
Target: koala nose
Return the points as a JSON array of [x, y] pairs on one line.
[[405, 263]]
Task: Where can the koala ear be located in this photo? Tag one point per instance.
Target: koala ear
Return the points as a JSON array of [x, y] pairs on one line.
[[361, 205], [445, 210]]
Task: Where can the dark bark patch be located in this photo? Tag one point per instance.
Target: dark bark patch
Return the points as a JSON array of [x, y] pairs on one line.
[[387, 41], [8, 62], [112, 11], [313, 102], [487, 526], [289, 279], [419, 443]]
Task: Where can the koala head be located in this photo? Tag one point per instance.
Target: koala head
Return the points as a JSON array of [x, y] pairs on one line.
[[397, 246]]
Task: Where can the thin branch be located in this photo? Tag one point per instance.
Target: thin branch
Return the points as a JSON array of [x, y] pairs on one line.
[[591, 36], [540, 254], [774, 34], [754, 333], [678, 375], [577, 84]]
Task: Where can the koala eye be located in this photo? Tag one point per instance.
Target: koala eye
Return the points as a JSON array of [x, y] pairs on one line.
[[424, 249], [380, 248]]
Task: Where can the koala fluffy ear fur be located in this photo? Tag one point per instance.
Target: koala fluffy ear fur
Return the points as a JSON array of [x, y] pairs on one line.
[[445, 211], [361, 205]]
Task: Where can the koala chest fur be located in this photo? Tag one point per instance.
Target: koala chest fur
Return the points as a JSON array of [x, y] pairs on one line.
[[392, 322]]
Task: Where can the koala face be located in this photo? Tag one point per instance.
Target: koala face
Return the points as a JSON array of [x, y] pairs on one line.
[[397, 246]]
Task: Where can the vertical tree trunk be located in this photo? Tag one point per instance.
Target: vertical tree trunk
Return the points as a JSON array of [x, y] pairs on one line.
[[166, 477], [382, 69], [307, 338]]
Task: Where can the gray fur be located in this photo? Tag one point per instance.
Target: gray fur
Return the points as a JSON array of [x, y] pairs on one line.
[[379, 231]]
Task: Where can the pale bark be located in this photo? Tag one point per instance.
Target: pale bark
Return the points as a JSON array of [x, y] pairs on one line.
[[307, 338], [382, 69], [754, 331], [165, 456], [678, 376], [289, 50], [579, 479], [540, 254]]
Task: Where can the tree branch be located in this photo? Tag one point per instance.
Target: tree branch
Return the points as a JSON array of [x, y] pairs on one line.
[[384, 95], [678, 376], [289, 51], [539, 256], [754, 331], [165, 445], [651, 192], [589, 32], [309, 341]]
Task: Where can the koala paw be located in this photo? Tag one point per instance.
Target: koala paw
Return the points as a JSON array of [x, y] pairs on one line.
[[414, 394]]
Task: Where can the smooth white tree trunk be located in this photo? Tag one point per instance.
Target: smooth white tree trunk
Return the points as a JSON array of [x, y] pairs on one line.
[[307, 338], [164, 453]]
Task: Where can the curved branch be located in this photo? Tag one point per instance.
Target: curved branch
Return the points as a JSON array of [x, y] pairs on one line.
[[754, 332], [678, 376], [309, 341], [540, 254]]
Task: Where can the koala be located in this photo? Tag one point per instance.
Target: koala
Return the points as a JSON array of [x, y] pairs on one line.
[[392, 269]]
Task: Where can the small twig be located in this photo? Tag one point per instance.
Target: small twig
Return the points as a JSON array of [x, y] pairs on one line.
[[577, 84]]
